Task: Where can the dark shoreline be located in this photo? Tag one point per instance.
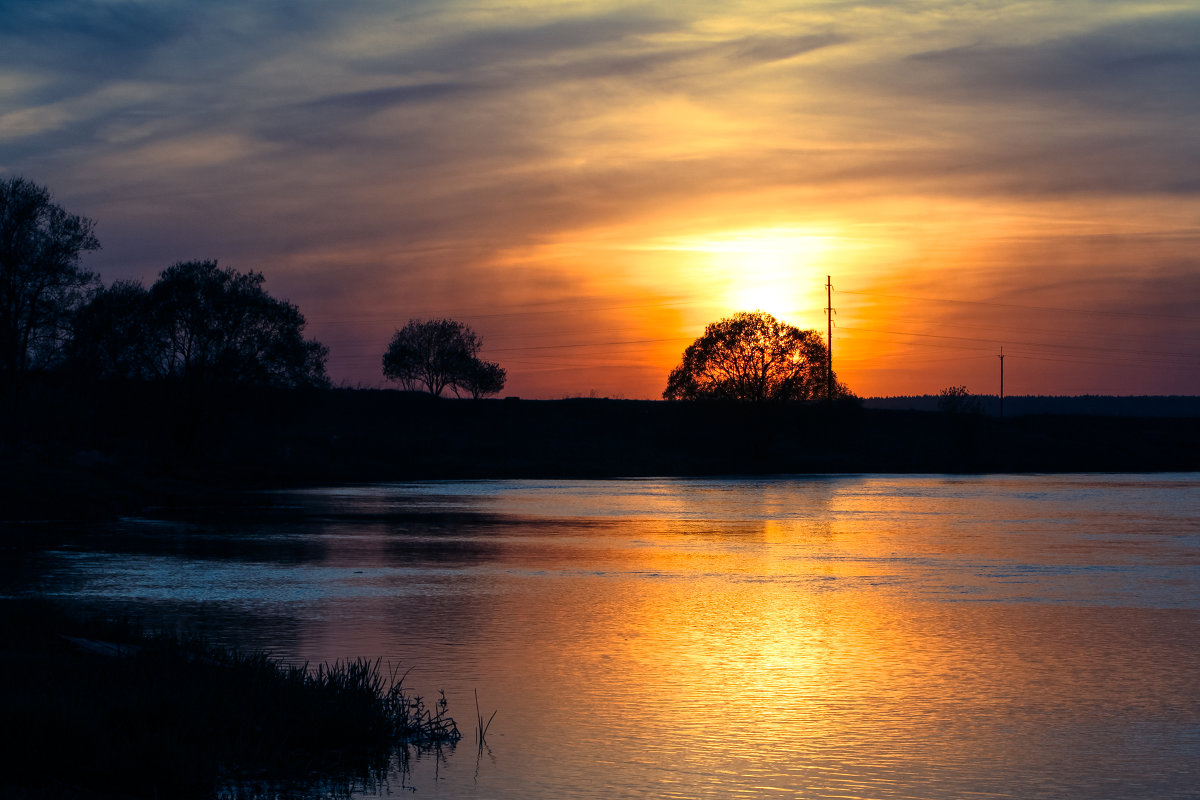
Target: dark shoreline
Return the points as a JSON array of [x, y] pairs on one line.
[[107, 708], [128, 447]]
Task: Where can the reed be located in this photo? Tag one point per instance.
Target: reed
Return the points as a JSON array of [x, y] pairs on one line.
[[481, 728], [173, 716]]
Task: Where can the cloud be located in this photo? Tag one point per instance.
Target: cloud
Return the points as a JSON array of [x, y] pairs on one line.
[[1108, 110], [81, 45], [429, 152], [374, 100], [765, 49], [1149, 65], [498, 47]]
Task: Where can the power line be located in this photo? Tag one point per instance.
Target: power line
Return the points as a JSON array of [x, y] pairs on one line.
[[1035, 345], [524, 311], [1025, 307], [587, 344], [641, 352]]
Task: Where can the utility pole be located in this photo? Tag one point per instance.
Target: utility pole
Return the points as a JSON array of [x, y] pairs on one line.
[[829, 339], [1001, 382]]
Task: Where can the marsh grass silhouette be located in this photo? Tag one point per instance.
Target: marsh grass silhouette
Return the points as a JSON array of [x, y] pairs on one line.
[[106, 709]]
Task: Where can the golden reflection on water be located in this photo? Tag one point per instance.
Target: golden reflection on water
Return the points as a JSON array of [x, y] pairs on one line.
[[692, 657], [753, 685], [853, 638]]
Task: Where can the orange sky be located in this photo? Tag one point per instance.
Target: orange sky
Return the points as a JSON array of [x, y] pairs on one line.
[[588, 184]]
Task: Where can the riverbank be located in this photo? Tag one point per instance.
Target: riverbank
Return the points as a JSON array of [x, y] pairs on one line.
[[129, 447], [105, 710]]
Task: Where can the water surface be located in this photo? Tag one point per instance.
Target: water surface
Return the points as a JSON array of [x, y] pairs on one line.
[[848, 637]]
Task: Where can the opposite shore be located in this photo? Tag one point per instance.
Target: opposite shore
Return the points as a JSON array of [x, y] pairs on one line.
[[121, 448]]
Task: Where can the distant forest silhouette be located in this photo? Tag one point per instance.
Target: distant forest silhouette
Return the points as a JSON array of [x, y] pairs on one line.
[[1022, 405]]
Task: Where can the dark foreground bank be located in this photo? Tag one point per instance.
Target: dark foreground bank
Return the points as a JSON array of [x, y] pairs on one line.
[[115, 449], [103, 710]]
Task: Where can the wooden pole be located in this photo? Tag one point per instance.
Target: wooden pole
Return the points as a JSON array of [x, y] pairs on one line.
[[829, 339]]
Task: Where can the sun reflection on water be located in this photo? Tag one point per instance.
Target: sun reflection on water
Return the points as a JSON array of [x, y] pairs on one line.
[[856, 637]]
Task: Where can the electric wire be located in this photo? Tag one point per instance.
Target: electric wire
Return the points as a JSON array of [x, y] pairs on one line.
[[545, 357]]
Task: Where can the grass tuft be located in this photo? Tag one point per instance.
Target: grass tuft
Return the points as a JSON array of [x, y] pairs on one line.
[[106, 710]]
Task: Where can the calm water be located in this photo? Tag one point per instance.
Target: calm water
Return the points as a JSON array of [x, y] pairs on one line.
[[845, 637]]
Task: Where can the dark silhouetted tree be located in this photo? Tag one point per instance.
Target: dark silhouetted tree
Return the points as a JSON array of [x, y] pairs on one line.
[[956, 400], [114, 335], [754, 357], [440, 353], [41, 280], [482, 378], [219, 327]]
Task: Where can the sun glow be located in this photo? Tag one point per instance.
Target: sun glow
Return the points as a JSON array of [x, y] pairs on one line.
[[768, 271]]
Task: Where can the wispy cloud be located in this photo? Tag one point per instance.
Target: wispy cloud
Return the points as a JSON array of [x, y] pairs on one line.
[[379, 158]]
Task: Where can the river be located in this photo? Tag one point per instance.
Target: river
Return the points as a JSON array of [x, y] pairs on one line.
[[1020, 636]]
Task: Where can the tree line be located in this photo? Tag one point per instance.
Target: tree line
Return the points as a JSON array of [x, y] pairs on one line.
[[201, 324], [198, 324]]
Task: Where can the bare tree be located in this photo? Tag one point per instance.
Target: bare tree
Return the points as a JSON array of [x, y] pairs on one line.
[[41, 280]]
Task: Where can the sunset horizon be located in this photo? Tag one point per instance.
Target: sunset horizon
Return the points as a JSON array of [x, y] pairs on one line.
[[562, 399], [588, 186]]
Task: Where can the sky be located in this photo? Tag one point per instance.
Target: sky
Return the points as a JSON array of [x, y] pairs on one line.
[[588, 184]]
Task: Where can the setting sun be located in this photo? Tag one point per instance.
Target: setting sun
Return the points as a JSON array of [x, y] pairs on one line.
[[774, 270]]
